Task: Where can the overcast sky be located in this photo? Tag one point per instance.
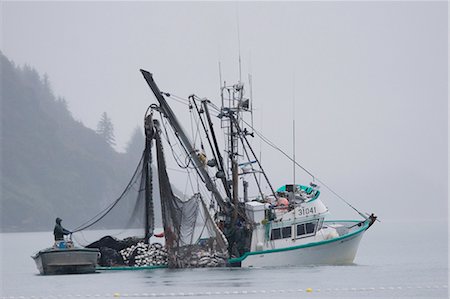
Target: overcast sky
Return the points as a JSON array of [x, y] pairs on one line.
[[369, 81]]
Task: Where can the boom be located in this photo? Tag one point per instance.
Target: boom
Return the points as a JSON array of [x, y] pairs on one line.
[[167, 111]]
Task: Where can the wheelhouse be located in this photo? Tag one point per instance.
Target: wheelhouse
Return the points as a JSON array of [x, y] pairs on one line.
[[296, 230]]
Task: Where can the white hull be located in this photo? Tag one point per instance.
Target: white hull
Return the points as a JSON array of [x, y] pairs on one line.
[[338, 251]]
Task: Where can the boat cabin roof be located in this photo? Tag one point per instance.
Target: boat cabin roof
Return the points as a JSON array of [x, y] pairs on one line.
[[307, 189]]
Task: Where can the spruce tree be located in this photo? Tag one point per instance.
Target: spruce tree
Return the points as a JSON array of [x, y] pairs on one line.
[[105, 129]]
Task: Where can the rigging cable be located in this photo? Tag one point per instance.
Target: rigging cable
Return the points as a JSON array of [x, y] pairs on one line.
[[234, 121], [267, 141], [105, 211], [263, 138], [166, 136], [186, 151], [248, 158]]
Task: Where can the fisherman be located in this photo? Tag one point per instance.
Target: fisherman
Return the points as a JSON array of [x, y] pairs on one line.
[[59, 232], [241, 235]]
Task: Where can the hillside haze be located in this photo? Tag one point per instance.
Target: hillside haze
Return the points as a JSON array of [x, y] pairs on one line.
[[54, 166]]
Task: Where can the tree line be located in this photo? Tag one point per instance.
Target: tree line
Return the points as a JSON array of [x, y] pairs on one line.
[[53, 165]]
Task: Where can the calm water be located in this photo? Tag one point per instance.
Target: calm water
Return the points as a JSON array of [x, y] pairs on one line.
[[395, 260]]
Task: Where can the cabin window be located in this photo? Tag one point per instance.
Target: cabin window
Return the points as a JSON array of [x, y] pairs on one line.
[[276, 234], [310, 227], [287, 232], [300, 229], [281, 233], [319, 226], [306, 229]]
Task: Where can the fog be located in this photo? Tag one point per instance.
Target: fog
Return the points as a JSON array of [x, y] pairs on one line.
[[369, 81]]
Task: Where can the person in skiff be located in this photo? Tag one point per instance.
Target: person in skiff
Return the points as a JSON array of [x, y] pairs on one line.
[[59, 232]]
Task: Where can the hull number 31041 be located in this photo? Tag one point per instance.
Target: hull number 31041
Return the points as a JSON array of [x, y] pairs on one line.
[[307, 211]]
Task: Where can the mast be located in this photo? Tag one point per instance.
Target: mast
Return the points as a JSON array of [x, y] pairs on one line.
[[220, 166], [244, 137], [227, 113], [147, 176], [234, 171], [167, 111], [293, 133]]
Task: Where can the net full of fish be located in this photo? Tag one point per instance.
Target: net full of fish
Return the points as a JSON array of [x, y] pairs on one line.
[[143, 254], [192, 256]]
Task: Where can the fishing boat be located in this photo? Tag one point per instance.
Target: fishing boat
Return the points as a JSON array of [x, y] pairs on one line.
[[288, 227], [301, 236], [65, 258]]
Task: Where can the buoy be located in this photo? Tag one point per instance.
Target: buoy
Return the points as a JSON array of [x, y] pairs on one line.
[[160, 235], [309, 290], [116, 295], [282, 202]]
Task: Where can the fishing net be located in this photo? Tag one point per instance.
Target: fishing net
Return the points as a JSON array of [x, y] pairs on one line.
[[192, 237], [134, 207]]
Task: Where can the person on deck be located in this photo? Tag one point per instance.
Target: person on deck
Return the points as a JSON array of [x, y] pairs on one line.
[[59, 232]]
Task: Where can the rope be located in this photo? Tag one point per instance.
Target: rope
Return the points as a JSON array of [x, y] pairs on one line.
[[172, 146], [105, 211], [271, 144], [188, 155]]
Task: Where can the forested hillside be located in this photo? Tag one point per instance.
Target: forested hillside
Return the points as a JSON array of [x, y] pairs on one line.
[[52, 165]]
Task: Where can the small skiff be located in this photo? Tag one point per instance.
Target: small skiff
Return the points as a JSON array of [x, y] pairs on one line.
[[74, 260]]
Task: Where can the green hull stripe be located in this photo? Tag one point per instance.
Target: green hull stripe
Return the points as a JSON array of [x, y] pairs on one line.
[[131, 268], [240, 259], [363, 228]]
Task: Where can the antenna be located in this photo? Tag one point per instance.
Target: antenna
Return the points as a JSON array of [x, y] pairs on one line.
[[239, 41], [220, 68], [293, 127], [250, 83], [251, 96], [220, 76]]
